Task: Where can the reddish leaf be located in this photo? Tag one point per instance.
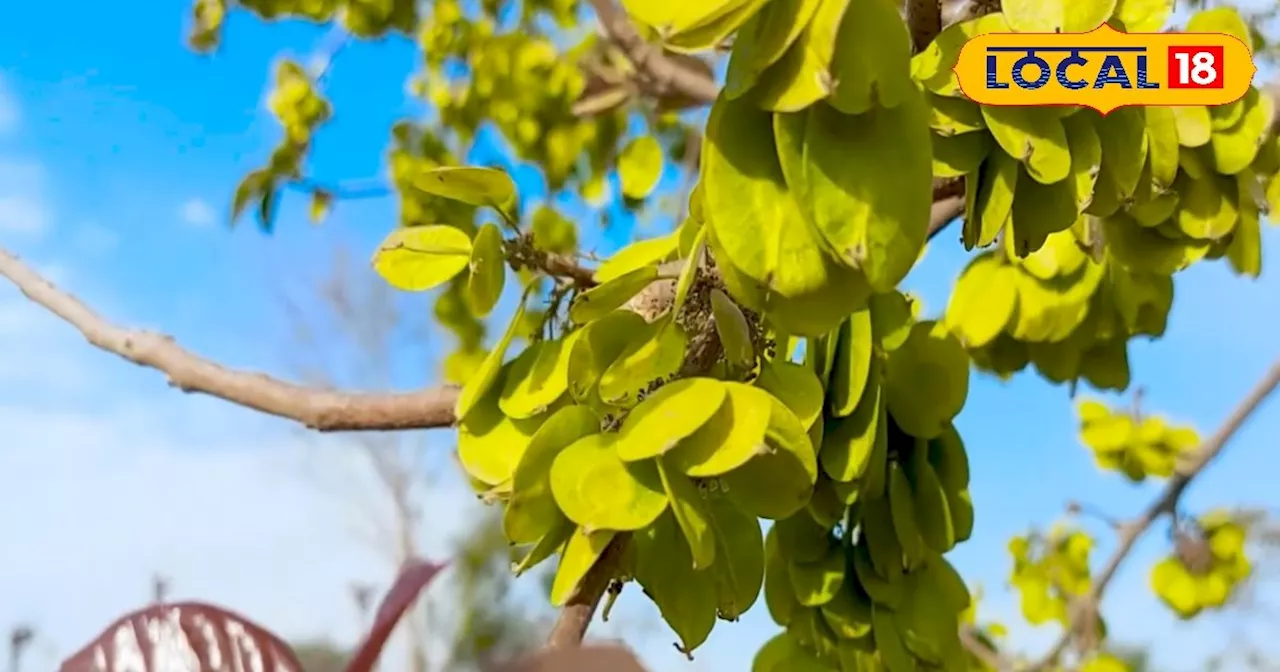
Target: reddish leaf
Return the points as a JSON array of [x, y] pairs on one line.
[[184, 637], [583, 659], [413, 579]]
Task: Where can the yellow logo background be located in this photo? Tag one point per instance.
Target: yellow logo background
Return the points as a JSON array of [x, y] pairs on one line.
[[1151, 60]]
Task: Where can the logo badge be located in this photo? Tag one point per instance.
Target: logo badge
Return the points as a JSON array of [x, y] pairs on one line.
[[1104, 69]]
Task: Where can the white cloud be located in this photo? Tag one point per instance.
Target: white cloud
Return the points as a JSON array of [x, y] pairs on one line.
[[197, 212]]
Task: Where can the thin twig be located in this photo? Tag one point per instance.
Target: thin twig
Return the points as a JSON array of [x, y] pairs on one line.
[[370, 188], [1165, 503], [318, 409]]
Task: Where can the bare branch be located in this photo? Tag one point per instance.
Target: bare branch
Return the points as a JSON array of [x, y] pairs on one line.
[[943, 213], [318, 409], [981, 651], [662, 77], [1165, 503]]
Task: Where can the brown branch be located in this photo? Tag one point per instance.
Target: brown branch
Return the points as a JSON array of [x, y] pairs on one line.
[[985, 654], [943, 213], [924, 20], [318, 409], [575, 617], [1165, 503], [661, 77]]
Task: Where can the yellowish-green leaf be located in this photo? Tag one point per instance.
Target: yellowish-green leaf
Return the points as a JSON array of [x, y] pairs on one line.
[[531, 512], [418, 258], [607, 297], [733, 330], [656, 353], [538, 377], [472, 185], [490, 444], [486, 375], [1221, 20], [924, 409], [865, 182], [763, 40], [488, 270], [640, 166], [1057, 16], [729, 438], [796, 386], [872, 61], [601, 344], [933, 66], [770, 257], [579, 555], [982, 301], [685, 596], [598, 491], [777, 483], [690, 510], [321, 204], [1143, 16], [1035, 136], [664, 417], [802, 76], [637, 255]]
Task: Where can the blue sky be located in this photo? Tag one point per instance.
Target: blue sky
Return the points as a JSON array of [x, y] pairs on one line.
[[118, 152]]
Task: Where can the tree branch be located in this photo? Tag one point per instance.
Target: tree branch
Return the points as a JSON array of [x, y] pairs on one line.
[[924, 20], [1165, 503], [576, 614], [661, 77], [318, 409]]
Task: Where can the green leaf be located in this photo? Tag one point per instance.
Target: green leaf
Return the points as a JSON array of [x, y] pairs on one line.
[[1144, 16], [532, 512], [471, 185], [729, 438], [802, 76], [656, 352], [640, 167], [637, 255], [685, 596], [771, 258], [1057, 16], [777, 483], [872, 61], [598, 491], [418, 258], [580, 554], [764, 39], [733, 330], [487, 374], [925, 409], [865, 182], [1221, 20], [553, 233], [690, 510], [673, 412], [488, 270], [321, 204], [538, 377], [607, 297]]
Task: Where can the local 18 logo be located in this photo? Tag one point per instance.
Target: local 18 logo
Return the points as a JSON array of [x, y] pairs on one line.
[[1104, 69]]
